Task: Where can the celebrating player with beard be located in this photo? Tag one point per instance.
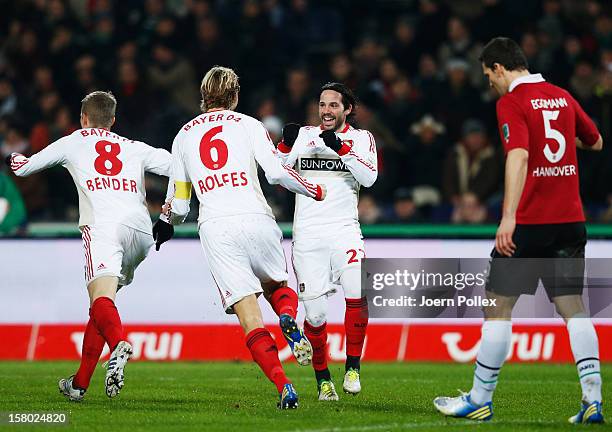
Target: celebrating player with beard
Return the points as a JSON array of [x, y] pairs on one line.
[[327, 241]]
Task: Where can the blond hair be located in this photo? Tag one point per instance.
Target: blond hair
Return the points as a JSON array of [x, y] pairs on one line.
[[219, 88], [100, 108]]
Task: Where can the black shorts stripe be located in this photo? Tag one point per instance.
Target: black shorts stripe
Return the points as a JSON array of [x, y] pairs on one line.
[[486, 367], [586, 359]]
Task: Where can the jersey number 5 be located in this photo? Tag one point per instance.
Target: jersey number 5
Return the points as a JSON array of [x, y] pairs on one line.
[[213, 152], [554, 134], [107, 162]]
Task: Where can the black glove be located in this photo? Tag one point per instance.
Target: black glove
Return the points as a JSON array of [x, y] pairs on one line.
[[331, 140], [290, 133], [162, 232], [8, 161]]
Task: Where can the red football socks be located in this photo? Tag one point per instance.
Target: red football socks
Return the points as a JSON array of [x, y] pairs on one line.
[[355, 325], [93, 343], [106, 318], [318, 339], [265, 353], [284, 301]]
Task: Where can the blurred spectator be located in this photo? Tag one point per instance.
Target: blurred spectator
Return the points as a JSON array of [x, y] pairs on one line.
[[295, 99], [426, 153], [12, 210], [209, 48], [472, 166], [369, 212], [33, 189], [342, 70], [404, 47], [135, 103], [174, 76], [457, 92], [8, 98], [583, 82], [469, 210], [59, 124], [404, 209], [461, 46]]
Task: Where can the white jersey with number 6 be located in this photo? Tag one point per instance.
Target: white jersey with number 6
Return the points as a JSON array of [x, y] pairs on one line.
[[217, 152], [108, 171]]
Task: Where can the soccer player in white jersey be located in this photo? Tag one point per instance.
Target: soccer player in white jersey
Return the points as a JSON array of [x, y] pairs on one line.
[[327, 241], [108, 171], [218, 152]]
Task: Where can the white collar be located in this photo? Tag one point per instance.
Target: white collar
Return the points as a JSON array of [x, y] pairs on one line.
[[526, 79]]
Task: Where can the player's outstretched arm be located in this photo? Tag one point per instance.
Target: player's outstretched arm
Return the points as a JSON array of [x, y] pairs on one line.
[[360, 158], [52, 155], [157, 161], [277, 173]]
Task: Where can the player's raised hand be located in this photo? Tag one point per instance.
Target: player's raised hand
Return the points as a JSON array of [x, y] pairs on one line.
[[290, 133], [162, 232], [503, 238], [331, 140], [321, 192]]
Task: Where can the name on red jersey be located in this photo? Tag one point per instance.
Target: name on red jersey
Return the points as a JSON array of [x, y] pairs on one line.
[[233, 179], [537, 104]]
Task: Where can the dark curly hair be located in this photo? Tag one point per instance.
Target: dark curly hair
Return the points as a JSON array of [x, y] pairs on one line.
[[348, 97]]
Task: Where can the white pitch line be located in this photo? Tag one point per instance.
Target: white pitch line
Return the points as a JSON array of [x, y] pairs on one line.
[[388, 426]]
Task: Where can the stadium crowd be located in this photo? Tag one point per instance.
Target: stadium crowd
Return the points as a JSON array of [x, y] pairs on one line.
[[412, 63]]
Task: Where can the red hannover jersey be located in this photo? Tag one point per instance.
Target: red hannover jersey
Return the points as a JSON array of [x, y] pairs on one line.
[[545, 120]]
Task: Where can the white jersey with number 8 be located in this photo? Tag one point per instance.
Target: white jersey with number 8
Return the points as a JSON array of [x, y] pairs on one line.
[[108, 171]]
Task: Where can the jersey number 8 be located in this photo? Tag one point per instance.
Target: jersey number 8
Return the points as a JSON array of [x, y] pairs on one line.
[[107, 162], [213, 152]]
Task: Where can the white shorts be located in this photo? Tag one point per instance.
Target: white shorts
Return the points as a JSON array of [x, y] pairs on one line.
[[319, 262], [242, 253], [113, 250]]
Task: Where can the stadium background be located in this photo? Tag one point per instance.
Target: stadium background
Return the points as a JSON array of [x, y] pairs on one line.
[[412, 63]]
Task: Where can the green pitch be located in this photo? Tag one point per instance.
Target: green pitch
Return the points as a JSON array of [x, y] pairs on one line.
[[235, 397]]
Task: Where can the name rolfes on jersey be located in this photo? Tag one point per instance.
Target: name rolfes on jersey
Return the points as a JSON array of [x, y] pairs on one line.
[[218, 180], [556, 137]]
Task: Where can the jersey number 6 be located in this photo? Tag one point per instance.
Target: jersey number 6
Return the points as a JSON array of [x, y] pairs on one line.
[[213, 152], [107, 162]]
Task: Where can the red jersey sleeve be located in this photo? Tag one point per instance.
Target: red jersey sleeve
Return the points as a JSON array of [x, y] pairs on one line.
[[512, 125], [585, 128]]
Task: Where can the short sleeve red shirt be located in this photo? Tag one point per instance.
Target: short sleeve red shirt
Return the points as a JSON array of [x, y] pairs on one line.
[[545, 120]]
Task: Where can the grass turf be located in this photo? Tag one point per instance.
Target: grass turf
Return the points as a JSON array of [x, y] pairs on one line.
[[232, 397]]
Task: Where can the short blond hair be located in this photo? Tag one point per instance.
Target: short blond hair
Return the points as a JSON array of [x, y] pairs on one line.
[[219, 88], [100, 108]]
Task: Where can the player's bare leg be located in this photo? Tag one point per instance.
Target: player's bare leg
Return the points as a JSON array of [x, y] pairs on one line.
[[585, 347], [102, 292], [494, 347], [263, 349], [355, 324], [284, 301]]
